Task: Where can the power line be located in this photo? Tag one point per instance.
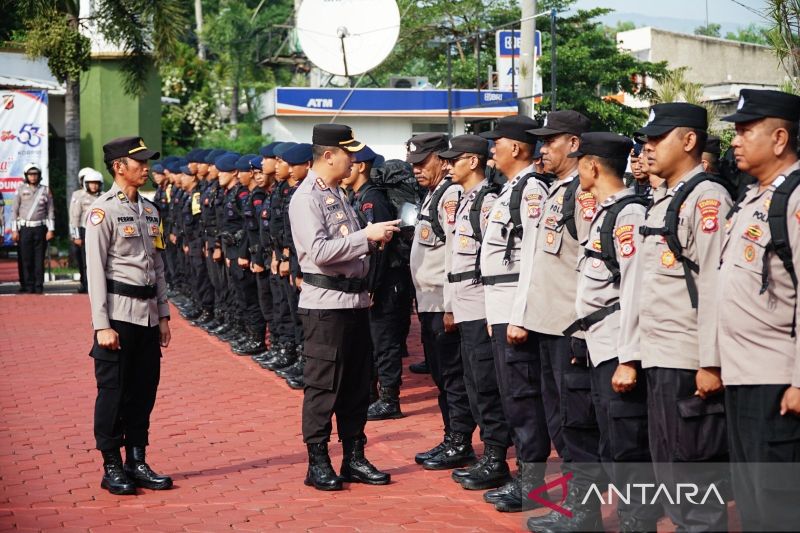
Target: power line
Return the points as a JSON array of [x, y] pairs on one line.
[[750, 9]]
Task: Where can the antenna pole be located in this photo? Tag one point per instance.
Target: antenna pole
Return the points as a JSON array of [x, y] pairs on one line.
[[342, 34]]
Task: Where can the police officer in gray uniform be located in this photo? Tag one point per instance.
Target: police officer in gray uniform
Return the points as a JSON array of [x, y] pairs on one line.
[[130, 316], [32, 226], [757, 325], [91, 187], [332, 251]]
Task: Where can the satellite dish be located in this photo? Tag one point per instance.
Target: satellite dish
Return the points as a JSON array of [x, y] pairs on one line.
[[348, 37]]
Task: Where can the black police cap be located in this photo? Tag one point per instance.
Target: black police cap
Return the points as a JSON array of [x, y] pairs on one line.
[[132, 147], [712, 145], [666, 117], [515, 127], [335, 135], [466, 144], [421, 146], [604, 144], [755, 104], [558, 122]]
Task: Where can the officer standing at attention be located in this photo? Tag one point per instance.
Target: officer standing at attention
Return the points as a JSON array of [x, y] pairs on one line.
[[466, 160], [512, 222], [332, 250], [430, 263], [757, 328], [551, 283], [606, 284], [679, 262], [32, 226], [130, 316], [91, 186], [390, 289]]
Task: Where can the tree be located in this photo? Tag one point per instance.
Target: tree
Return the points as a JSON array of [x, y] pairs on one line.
[[750, 34], [145, 30], [711, 30], [784, 36]]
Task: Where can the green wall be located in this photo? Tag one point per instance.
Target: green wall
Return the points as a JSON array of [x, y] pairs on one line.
[[107, 112]]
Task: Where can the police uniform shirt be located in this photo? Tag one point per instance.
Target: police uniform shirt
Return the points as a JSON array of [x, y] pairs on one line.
[[548, 283], [121, 246], [25, 209], [754, 334], [208, 220], [596, 287], [79, 206], [467, 295], [430, 256], [329, 241], [672, 333], [501, 298]]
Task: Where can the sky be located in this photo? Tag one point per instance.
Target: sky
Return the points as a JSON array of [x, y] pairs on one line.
[[682, 15]]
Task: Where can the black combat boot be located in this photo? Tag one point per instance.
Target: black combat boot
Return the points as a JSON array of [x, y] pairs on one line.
[[285, 358], [296, 383], [356, 468], [254, 345], [141, 473], [421, 457], [494, 495], [388, 405], [115, 480], [631, 524], [460, 473], [458, 453], [320, 471], [205, 317], [419, 368], [529, 477], [492, 473], [584, 517], [295, 370]]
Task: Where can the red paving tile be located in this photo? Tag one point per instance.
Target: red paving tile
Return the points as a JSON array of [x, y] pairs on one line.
[[227, 431]]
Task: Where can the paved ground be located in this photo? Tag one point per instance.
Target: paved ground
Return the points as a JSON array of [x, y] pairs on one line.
[[226, 430]]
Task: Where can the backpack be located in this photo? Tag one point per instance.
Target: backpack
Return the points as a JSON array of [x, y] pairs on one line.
[[397, 180], [670, 229], [475, 219], [513, 209], [608, 252], [568, 208], [433, 209]]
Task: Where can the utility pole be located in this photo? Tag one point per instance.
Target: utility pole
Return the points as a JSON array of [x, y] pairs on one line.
[[526, 58], [198, 18]]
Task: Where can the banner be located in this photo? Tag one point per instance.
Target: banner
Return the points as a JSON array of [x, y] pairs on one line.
[[23, 140]]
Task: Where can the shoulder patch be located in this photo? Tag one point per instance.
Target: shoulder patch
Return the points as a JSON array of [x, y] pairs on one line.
[[243, 193], [588, 205], [96, 216], [450, 207], [366, 206], [709, 211], [624, 235]]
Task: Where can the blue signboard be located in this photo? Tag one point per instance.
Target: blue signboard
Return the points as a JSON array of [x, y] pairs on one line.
[[509, 41], [392, 102]]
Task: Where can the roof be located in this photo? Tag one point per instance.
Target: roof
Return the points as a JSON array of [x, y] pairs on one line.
[[13, 82]]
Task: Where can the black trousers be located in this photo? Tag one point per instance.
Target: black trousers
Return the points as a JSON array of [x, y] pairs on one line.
[[622, 420], [201, 284], [762, 444], [244, 283], [295, 329], [216, 276], [683, 428], [519, 377], [284, 329], [444, 359], [32, 246], [480, 380], [171, 270], [389, 319], [337, 373], [127, 381], [80, 257], [265, 300]]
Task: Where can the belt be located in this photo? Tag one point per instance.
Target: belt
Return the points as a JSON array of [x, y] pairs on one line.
[[583, 324], [142, 292], [463, 276], [336, 283], [502, 278], [31, 223]]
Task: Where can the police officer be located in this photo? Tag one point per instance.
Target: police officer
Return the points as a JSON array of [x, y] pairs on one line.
[[466, 160], [678, 263], [757, 322], [130, 315], [511, 223], [91, 186], [389, 288], [202, 291], [606, 283], [212, 254], [331, 249], [430, 262], [711, 153], [32, 226], [551, 283]]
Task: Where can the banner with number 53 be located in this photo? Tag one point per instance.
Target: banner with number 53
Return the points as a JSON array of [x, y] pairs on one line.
[[23, 140]]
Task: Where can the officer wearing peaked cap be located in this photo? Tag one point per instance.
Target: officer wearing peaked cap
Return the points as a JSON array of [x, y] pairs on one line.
[[680, 245], [606, 284], [332, 249], [130, 315], [430, 261], [757, 329]]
